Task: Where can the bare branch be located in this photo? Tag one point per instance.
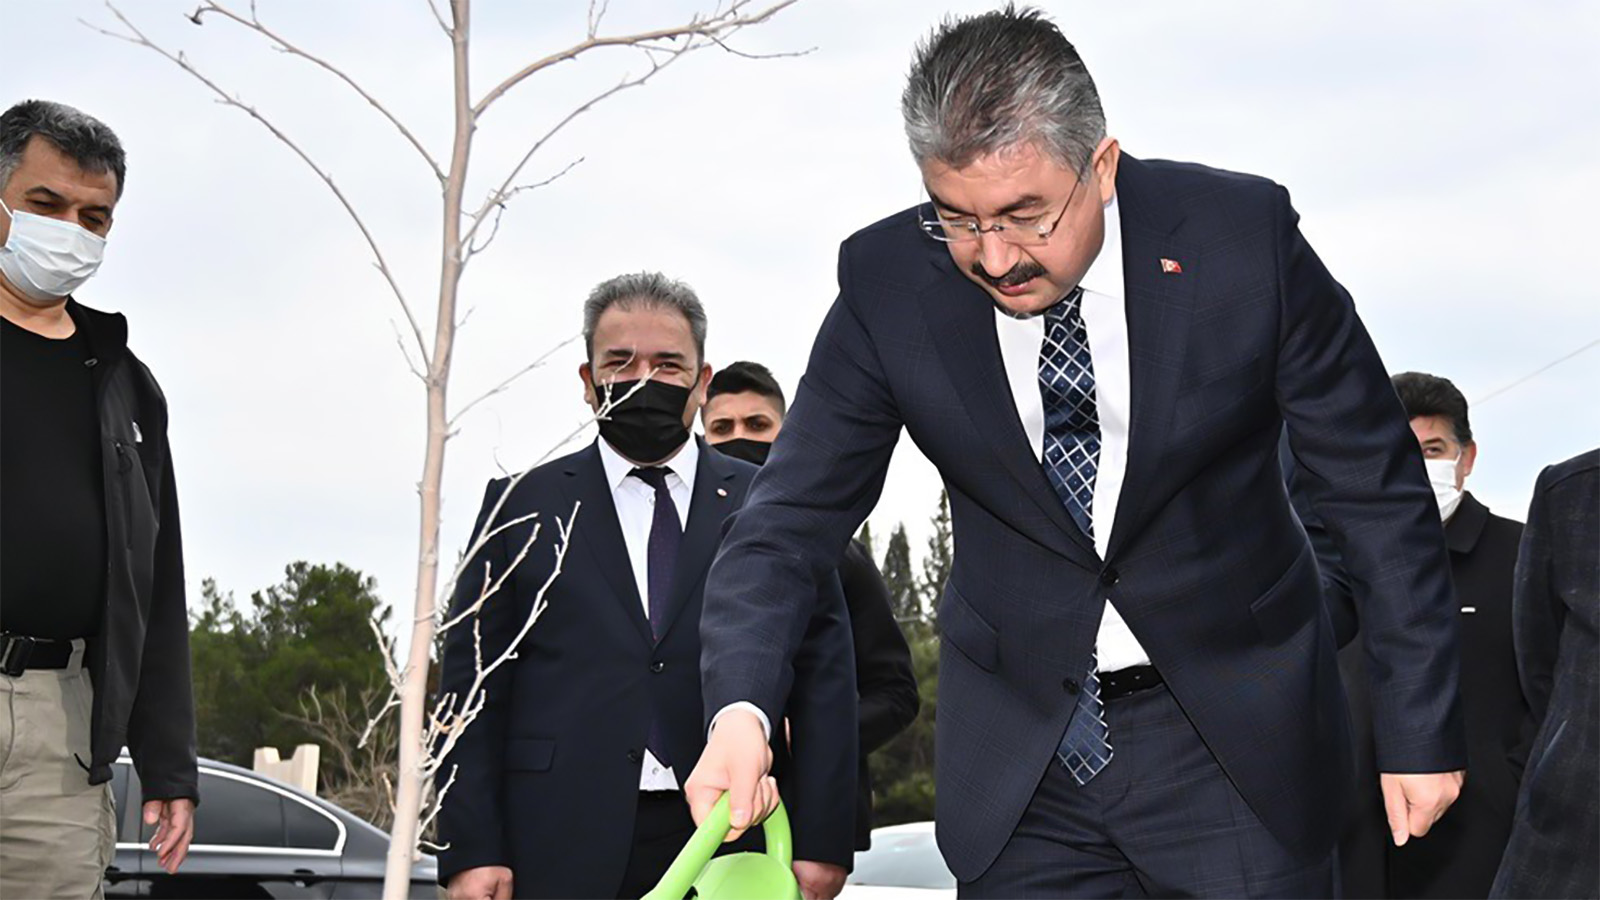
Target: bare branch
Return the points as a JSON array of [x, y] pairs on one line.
[[283, 46], [782, 55], [405, 352], [721, 22], [503, 385], [597, 12], [500, 207], [439, 17], [138, 39]]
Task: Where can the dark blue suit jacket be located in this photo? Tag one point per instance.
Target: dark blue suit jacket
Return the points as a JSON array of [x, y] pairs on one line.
[[547, 778], [1206, 560]]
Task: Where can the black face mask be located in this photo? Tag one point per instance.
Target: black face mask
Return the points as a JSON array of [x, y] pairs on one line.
[[747, 450], [645, 425]]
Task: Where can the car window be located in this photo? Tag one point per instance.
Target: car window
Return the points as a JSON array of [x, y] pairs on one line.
[[307, 828], [234, 813], [904, 859]]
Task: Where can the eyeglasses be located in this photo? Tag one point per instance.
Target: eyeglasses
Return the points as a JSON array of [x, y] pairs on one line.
[[1021, 234]]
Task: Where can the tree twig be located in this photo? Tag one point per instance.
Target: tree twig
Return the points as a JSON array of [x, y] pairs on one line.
[[510, 379], [138, 39], [254, 24]]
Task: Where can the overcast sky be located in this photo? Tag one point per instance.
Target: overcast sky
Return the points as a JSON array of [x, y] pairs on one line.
[[1444, 157]]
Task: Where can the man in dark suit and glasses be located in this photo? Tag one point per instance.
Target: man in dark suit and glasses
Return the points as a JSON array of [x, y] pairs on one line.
[[1138, 687], [568, 784]]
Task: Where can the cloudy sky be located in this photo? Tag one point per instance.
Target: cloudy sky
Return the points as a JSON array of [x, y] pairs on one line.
[[1444, 156]]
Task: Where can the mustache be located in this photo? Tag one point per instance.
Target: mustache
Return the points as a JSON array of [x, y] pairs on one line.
[[1017, 274]]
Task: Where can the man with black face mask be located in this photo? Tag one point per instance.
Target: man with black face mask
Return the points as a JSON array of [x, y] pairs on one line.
[[570, 782], [743, 415]]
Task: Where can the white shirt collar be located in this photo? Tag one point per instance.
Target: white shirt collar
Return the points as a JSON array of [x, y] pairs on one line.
[[1105, 273], [617, 467]]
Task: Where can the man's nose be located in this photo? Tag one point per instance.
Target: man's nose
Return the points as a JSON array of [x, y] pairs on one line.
[[996, 256]]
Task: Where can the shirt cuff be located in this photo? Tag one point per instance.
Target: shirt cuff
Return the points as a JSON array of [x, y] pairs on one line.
[[766, 725]]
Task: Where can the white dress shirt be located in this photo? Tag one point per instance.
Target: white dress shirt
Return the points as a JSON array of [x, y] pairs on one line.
[[636, 508], [1106, 320]]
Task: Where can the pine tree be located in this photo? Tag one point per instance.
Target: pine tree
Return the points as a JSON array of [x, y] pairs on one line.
[[865, 537], [899, 579], [936, 563]]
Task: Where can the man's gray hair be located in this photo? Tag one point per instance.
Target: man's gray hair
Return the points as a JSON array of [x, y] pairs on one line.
[[997, 81], [81, 137], [644, 290]]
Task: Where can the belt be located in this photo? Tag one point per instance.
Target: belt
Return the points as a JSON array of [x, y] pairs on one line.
[[19, 653], [1121, 683]]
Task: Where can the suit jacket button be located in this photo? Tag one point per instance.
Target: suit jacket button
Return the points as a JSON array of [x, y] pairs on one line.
[[1109, 577], [657, 666], [635, 757], [1070, 684]]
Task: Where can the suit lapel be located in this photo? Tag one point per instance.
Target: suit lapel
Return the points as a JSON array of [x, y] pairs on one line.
[[961, 324], [1158, 307], [600, 531], [708, 507]]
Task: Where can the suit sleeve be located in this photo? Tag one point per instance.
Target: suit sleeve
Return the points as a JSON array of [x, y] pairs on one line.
[[161, 723], [823, 478], [1362, 473], [819, 786], [1336, 594], [1536, 610], [471, 821], [885, 681]]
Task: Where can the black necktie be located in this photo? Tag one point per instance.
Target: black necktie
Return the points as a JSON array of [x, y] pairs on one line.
[[661, 559]]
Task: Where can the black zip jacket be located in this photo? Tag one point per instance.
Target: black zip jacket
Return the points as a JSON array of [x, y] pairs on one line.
[[139, 660]]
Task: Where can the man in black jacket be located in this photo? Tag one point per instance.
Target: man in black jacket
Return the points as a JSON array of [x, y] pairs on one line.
[[1459, 856], [742, 417], [94, 639]]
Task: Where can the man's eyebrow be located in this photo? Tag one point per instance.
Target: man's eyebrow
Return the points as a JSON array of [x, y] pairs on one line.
[[1023, 202], [48, 194]]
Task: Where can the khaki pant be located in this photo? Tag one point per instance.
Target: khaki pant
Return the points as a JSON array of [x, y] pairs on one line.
[[57, 831]]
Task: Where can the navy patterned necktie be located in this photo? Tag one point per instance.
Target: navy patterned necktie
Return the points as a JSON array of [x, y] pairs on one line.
[[1071, 459], [666, 535]]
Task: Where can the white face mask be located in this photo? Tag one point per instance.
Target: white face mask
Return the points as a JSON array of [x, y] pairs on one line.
[[1442, 475], [46, 259]]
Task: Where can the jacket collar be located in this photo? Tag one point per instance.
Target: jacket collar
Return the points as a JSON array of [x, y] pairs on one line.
[[1461, 533], [106, 334]]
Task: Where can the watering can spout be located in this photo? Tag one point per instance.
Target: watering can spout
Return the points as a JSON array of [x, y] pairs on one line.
[[737, 876]]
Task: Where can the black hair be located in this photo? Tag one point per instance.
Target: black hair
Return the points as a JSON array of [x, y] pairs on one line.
[[742, 377], [1429, 395]]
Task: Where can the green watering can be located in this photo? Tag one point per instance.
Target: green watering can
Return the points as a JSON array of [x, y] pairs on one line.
[[737, 876]]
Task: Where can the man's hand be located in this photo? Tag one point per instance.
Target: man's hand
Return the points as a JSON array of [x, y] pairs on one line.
[[173, 834], [1415, 802], [482, 883], [736, 760], [819, 880]]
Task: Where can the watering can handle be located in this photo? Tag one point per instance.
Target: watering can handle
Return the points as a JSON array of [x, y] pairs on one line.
[[703, 844]]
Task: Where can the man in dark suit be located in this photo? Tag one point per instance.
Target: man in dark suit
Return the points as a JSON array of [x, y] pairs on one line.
[[1461, 854], [568, 784], [1556, 610], [742, 416], [1138, 685]]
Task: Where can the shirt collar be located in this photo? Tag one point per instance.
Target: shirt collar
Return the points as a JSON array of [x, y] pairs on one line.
[[617, 466], [1105, 273]]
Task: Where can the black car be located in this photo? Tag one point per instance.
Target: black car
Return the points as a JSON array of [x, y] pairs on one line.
[[254, 836]]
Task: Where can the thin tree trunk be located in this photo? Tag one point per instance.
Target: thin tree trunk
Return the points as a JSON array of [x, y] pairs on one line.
[[413, 756]]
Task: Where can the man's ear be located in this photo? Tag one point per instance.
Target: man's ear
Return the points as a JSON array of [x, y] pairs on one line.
[[1106, 158], [586, 375], [1469, 455]]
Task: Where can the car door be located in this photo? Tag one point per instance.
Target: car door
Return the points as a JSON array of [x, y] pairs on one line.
[[124, 876], [252, 839]]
